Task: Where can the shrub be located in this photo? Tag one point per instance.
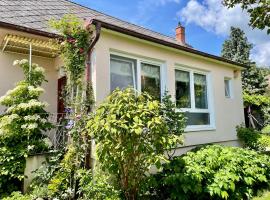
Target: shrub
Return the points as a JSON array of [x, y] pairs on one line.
[[213, 172], [133, 132], [97, 187], [21, 126], [18, 196], [253, 139]]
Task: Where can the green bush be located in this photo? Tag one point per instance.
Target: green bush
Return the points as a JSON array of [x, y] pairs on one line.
[[253, 139], [132, 133], [22, 127], [18, 196], [98, 187], [213, 172]]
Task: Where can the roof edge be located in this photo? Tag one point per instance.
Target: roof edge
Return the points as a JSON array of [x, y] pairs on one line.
[[28, 30], [165, 43]]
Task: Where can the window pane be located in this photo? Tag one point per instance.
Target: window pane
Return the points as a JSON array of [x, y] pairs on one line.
[[227, 88], [200, 90], [198, 118], [182, 89], [122, 73], [150, 80]]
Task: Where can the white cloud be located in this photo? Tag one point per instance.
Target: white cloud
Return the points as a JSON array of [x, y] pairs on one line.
[[212, 16]]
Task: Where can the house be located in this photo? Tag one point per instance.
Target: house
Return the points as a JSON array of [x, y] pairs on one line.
[[206, 87]]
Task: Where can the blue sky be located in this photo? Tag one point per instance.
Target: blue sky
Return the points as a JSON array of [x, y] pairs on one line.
[[207, 22]]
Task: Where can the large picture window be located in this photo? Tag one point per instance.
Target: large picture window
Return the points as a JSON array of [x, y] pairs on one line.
[[132, 72], [192, 92]]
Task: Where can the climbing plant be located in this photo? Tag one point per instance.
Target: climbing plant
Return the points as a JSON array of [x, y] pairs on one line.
[[74, 45], [22, 126]]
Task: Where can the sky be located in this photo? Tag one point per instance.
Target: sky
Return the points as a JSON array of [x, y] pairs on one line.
[[207, 22]]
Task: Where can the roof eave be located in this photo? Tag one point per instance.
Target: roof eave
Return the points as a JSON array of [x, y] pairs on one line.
[[28, 30]]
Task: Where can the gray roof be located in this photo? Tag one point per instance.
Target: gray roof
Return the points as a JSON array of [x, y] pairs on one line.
[[35, 14]]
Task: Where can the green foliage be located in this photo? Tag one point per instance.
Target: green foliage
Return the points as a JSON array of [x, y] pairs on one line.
[[75, 45], [264, 196], [18, 196], [21, 127], [254, 80], [258, 10], [97, 187], [74, 49], [266, 130], [132, 132], [237, 48], [253, 139], [213, 172], [257, 100]]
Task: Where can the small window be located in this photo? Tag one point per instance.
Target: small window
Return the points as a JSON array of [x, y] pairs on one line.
[[123, 73], [150, 80], [182, 85], [227, 84], [200, 89]]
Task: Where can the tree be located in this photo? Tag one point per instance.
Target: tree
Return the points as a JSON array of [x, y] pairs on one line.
[[133, 132], [258, 10], [22, 126], [237, 48]]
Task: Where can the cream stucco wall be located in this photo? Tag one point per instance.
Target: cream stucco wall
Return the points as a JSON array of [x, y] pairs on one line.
[[10, 74], [228, 112]]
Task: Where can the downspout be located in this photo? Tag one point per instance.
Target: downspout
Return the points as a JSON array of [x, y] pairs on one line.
[[89, 163], [91, 47]]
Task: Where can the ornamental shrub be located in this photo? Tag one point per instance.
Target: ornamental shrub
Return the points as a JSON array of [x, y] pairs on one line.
[[132, 132], [212, 172], [253, 139], [21, 127]]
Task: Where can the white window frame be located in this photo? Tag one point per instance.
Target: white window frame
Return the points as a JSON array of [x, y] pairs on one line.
[[193, 108], [139, 60], [230, 87]]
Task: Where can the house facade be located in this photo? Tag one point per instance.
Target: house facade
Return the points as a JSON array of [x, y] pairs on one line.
[[206, 87]]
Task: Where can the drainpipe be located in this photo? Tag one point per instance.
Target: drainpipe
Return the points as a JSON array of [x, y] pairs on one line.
[[91, 47], [89, 163]]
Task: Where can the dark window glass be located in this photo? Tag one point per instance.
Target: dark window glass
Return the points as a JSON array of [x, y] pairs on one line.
[[182, 86], [198, 118], [200, 90], [150, 80]]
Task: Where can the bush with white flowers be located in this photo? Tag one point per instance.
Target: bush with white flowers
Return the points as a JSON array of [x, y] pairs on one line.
[[22, 126]]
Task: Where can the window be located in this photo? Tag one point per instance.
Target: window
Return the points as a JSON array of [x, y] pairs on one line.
[[123, 73], [150, 80], [228, 90], [142, 75], [192, 92]]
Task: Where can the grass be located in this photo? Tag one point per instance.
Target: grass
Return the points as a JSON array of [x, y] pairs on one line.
[[265, 196]]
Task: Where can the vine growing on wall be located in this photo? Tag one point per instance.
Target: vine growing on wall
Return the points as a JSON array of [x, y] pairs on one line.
[[74, 45]]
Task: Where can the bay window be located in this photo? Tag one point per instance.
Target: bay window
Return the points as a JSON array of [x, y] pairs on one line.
[[192, 98], [133, 72]]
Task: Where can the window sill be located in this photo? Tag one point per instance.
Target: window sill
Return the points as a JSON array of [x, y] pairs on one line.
[[199, 128]]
